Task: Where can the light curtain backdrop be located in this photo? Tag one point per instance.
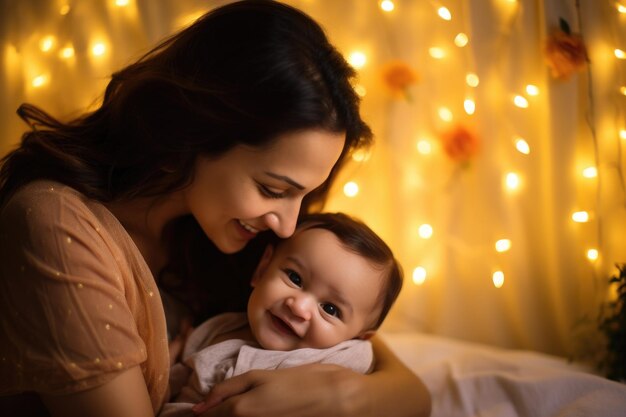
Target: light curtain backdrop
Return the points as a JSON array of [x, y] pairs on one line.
[[441, 217]]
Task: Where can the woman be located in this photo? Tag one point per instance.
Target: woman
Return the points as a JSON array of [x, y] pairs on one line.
[[221, 133]]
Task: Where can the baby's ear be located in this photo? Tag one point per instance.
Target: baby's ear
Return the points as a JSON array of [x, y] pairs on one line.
[[366, 335], [263, 263]]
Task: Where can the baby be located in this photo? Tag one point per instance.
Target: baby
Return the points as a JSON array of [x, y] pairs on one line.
[[317, 297]]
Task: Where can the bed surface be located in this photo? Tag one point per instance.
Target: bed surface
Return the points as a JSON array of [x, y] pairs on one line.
[[468, 379]]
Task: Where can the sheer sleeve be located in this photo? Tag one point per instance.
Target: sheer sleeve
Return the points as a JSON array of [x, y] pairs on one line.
[[65, 321]]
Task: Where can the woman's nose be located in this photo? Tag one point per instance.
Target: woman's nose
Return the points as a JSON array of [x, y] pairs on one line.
[[301, 306], [283, 221]]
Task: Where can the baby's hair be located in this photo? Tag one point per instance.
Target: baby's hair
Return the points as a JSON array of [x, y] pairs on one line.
[[357, 237]]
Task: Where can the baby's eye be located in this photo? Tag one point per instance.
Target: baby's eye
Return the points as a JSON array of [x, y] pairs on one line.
[[294, 277], [331, 309]]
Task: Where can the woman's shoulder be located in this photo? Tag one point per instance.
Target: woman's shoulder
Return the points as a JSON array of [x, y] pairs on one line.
[[41, 198]]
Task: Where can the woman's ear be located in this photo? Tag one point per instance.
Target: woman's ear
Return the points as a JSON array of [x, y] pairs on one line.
[[263, 263], [366, 335]]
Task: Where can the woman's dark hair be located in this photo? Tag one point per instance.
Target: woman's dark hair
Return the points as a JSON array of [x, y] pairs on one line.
[[357, 237], [244, 73]]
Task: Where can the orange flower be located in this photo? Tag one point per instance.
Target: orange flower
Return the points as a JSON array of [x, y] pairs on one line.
[[398, 76], [565, 54], [460, 144]]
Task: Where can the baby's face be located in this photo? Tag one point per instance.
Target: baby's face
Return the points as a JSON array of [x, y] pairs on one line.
[[313, 292]]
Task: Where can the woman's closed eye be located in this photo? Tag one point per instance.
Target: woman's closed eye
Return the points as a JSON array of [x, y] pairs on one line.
[[294, 277], [271, 192]]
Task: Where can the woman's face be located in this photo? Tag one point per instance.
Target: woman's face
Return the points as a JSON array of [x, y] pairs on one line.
[[247, 190]]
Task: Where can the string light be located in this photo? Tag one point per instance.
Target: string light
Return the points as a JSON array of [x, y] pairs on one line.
[[461, 40], [503, 245], [47, 43], [360, 90], [590, 172], [520, 102], [619, 54], [593, 254], [351, 189], [532, 90], [121, 3], [522, 146], [425, 231], [361, 155], [445, 114], [622, 134], [623, 90], [580, 216], [98, 49], [419, 275], [65, 9], [512, 181], [424, 146], [498, 279], [39, 80], [444, 13], [472, 79], [470, 106], [66, 52], [387, 5], [357, 59], [436, 52], [620, 7]]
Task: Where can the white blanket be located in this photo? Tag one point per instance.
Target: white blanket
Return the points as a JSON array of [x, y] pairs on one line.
[[468, 380]]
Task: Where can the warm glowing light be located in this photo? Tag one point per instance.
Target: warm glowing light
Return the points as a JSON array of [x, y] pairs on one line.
[[472, 79], [522, 146], [590, 172], [351, 189], [445, 114], [592, 254], [98, 49], [424, 146], [503, 245], [361, 155], [532, 90], [470, 106], [47, 43], [360, 90], [619, 54], [622, 134], [437, 53], [39, 81], [461, 40], [623, 90], [66, 52], [357, 59], [498, 279], [65, 9], [121, 3], [520, 102], [419, 275], [444, 13], [580, 217], [512, 181], [387, 5], [620, 7], [425, 231]]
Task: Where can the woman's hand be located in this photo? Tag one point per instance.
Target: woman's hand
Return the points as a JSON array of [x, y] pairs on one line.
[[322, 390], [304, 391]]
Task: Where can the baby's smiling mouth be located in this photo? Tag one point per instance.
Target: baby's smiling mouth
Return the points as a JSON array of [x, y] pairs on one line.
[[282, 326]]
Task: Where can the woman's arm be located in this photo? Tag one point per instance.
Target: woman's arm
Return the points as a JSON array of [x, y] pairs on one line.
[[126, 395], [322, 390]]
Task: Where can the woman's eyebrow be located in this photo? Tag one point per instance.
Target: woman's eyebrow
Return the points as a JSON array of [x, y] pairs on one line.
[[285, 179]]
